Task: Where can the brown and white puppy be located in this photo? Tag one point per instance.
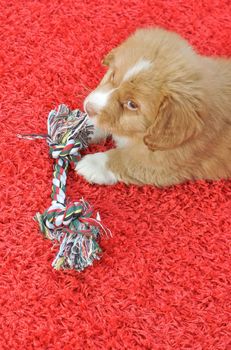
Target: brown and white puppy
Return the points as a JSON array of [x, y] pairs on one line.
[[168, 109]]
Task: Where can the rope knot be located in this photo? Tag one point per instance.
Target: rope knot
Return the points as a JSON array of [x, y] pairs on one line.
[[58, 216], [77, 231], [68, 151]]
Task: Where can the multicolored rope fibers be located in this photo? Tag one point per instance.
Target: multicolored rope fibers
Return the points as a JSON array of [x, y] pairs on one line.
[[69, 223]]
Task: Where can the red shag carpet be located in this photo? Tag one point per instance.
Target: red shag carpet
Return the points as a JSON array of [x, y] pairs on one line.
[[164, 278]]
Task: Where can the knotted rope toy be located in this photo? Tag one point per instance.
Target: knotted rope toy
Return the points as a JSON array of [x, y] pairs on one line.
[[70, 223]]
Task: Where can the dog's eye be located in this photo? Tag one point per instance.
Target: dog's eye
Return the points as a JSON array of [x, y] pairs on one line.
[[131, 105]]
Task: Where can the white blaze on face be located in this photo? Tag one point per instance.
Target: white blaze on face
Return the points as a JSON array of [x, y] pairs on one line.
[[99, 98], [140, 66]]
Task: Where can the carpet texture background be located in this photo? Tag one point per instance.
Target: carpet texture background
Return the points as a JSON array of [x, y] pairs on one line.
[[164, 279]]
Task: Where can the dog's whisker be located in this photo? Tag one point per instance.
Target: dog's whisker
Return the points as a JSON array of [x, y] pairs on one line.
[[86, 87]]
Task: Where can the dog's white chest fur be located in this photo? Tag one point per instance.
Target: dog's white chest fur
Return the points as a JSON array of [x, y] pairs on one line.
[[120, 141]]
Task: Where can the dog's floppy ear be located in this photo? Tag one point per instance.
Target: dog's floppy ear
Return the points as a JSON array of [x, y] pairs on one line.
[[108, 58], [178, 120]]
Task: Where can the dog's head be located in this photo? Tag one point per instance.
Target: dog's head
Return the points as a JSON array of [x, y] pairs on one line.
[[151, 90]]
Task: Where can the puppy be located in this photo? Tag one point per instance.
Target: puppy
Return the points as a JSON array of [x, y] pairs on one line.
[[168, 109]]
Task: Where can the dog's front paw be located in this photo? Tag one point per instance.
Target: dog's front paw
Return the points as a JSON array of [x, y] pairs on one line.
[[93, 167]]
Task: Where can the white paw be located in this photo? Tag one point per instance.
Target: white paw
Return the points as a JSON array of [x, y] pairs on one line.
[[98, 134], [93, 168]]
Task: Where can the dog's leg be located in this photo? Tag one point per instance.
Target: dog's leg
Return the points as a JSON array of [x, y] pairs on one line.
[[128, 165], [107, 168], [94, 168]]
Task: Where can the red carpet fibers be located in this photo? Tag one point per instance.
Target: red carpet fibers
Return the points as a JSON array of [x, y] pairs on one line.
[[164, 279]]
